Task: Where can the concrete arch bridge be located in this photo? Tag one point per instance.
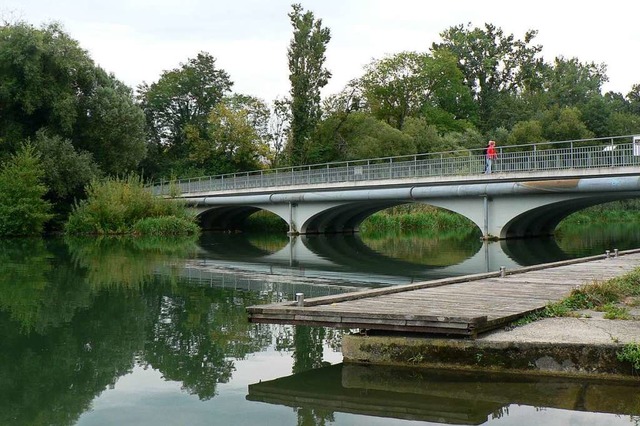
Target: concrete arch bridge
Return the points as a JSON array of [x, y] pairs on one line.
[[530, 190]]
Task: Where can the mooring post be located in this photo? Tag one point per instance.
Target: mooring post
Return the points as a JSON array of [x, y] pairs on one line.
[[606, 254], [615, 252], [503, 271], [300, 299]]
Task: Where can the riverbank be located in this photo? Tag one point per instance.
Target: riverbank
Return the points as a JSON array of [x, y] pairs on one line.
[[586, 346]]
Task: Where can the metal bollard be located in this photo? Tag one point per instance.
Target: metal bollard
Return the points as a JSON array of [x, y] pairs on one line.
[[300, 299], [615, 252], [606, 254], [503, 271]]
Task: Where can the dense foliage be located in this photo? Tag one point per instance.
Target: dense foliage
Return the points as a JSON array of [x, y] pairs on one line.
[[125, 206], [47, 82]]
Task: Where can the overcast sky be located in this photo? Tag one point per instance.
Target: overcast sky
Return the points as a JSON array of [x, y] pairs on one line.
[[138, 39]]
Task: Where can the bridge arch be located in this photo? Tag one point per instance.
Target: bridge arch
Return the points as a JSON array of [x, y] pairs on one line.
[[228, 218], [345, 217], [543, 220]]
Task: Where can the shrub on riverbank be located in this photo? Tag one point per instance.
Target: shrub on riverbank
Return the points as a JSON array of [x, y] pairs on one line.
[[125, 206]]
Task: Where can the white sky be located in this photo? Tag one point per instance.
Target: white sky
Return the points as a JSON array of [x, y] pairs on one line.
[[138, 39]]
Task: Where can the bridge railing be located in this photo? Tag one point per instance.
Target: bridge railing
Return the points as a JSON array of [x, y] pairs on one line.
[[576, 154]]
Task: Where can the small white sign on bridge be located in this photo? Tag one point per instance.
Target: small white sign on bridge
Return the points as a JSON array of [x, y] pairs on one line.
[[636, 145]]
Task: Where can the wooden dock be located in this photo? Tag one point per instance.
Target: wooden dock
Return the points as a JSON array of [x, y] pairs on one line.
[[463, 306]]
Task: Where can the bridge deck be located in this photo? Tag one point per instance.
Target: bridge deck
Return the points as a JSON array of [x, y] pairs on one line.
[[456, 306]]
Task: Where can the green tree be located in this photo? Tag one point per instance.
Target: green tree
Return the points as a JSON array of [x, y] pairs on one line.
[[572, 83], [113, 129], [561, 124], [622, 123], [48, 82], [182, 99], [633, 97], [23, 210], [66, 170], [426, 137], [307, 76], [231, 142], [494, 65], [358, 136], [409, 83], [279, 122], [525, 132]]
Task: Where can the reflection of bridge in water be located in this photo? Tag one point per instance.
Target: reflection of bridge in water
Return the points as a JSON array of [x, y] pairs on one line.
[[346, 260], [439, 396]]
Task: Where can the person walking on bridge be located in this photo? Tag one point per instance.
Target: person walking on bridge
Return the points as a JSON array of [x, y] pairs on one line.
[[490, 155]]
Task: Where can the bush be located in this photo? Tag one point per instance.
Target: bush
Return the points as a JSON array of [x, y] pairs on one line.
[[115, 206]]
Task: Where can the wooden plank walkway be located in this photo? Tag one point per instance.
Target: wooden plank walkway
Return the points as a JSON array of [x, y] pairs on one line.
[[455, 306]]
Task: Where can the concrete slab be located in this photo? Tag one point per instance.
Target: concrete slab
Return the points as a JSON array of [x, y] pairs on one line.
[[595, 331]]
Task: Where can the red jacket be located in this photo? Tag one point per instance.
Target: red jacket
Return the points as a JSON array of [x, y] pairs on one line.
[[491, 152]]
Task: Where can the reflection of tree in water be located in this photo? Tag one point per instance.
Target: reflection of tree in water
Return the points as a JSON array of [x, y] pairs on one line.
[[590, 239], [196, 332], [116, 262], [428, 248], [66, 338], [24, 265], [51, 378], [307, 344], [314, 416]]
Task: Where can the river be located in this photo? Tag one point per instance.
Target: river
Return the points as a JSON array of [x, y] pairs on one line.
[[154, 332]]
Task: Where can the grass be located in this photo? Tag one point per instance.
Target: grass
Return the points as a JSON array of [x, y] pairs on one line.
[[602, 296]]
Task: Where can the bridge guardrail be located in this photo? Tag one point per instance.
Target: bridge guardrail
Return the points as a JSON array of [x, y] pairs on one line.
[[608, 152]]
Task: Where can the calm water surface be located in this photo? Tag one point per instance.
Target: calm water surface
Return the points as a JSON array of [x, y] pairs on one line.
[[154, 332]]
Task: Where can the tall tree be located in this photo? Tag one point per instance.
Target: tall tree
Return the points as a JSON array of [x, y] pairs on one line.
[[47, 82], [182, 98], [570, 82], [307, 76], [234, 139], [494, 65], [408, 84]]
